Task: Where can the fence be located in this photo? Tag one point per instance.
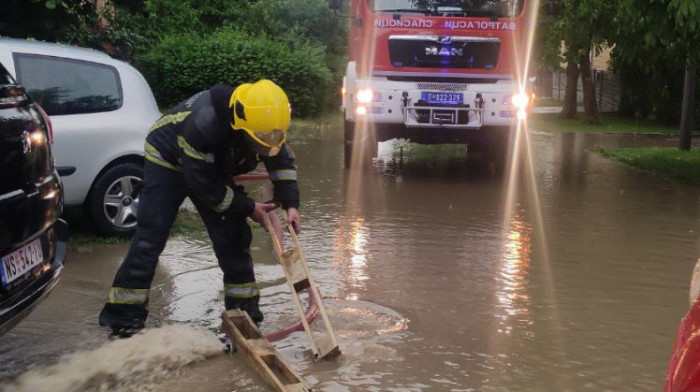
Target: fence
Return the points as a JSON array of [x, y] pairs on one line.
[[607, 89]]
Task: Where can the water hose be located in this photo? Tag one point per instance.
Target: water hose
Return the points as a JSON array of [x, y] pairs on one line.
[[310, 314]]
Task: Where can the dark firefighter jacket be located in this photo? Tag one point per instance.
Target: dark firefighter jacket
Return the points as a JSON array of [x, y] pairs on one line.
[[195, 138]]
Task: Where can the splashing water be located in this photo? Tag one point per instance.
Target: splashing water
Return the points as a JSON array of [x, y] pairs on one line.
[[138, 360]]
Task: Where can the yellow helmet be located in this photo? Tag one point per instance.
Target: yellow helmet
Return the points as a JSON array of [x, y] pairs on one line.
[[261, 110]]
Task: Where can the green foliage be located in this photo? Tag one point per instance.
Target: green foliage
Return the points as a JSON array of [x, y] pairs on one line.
[[686, 14], [40, 19], [655, 41], [583, 25], [301, 20], [305, 52], [306, 21], [654, 90], [681, 166], [612, 123], [298, 30], [181, 65], [547, 42], [51, 4], [157, 19]]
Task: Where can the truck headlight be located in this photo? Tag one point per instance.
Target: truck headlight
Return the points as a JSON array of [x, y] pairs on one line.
[[520, 100], [365, 96]]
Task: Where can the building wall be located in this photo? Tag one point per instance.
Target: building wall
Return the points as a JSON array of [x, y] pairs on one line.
[[601, 62]]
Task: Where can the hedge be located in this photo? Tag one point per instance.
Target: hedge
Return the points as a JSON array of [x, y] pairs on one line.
[[181, 65]]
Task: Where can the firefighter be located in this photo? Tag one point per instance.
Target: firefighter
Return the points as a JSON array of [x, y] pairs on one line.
[[194, 151]]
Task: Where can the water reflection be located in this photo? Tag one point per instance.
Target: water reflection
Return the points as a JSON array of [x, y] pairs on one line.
[[513, 300], [351, 240], [358, 257]]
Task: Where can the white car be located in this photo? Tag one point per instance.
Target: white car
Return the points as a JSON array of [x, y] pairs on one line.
[[101, 109]]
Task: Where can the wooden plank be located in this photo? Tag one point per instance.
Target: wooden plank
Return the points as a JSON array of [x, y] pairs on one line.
[[326, 346], [298, 275], [248, 340], [293, 262]]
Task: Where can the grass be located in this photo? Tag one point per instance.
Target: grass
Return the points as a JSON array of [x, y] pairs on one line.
[[544, 102], [187, 222], [671, 163], [331, 118], [82, 234], [302, 128], [611, 123]]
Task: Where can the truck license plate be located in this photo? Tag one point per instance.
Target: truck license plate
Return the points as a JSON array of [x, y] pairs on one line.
[[15, 264], [442, 98]]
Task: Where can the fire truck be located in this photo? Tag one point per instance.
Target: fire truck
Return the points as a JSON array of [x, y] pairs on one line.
[[434, 71]]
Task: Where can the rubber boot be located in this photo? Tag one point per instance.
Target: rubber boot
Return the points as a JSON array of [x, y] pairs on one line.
[[125, 332], [249, 305]]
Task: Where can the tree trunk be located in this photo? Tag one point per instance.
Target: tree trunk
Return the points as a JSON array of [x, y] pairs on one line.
[[590, 106], [687, 108], [569, 108]]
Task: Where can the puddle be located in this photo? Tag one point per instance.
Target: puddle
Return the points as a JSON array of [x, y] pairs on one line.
[[430, 285]]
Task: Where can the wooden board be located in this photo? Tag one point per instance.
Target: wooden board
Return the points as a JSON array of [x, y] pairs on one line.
[[248, 340], [296, 270]]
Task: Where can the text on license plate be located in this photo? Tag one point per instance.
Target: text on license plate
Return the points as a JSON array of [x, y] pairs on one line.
[[15, 264], [445, 98]]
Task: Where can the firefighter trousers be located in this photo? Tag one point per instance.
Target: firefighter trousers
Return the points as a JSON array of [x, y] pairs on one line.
[[163, 192]]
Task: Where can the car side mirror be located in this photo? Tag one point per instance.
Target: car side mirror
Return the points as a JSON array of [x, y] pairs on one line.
[[12, 91], [335, 5], [12, 94]]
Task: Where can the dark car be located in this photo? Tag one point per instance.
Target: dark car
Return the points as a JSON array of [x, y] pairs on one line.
[[32, 237]]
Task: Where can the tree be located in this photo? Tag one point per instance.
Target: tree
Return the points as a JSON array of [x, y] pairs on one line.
[[687, 17], [46, 20], [584, 27], [653, 33]]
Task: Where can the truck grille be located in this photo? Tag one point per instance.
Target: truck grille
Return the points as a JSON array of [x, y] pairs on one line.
[[442, 86], [443, 52]]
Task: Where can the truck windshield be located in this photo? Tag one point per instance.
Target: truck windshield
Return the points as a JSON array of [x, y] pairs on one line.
[[474, 8]]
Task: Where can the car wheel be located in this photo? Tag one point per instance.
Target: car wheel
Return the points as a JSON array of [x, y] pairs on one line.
[[114, 200]]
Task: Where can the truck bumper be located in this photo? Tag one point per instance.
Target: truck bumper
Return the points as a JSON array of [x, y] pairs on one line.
[[434, 105]]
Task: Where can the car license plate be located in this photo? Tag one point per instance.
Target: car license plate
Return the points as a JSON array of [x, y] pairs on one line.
[[15, 264], [442, 98]]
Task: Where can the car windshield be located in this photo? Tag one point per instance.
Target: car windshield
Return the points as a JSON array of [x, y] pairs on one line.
[[475, 8]]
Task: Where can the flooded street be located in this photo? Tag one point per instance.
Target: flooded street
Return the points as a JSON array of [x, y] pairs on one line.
[[439, 275]]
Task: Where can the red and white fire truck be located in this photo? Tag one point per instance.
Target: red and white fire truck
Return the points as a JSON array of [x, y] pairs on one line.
[[434, 71]]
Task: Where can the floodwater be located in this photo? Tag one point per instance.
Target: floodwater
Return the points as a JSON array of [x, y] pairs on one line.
[[432, 283]]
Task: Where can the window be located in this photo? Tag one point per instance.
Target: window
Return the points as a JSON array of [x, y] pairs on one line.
[[66, 86]]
